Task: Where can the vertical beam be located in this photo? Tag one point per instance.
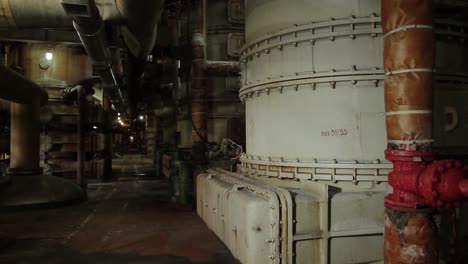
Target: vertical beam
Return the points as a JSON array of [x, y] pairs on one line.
[[80, 176], [107, 106]]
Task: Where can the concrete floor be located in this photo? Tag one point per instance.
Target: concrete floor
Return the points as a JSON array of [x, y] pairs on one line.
[[131, 221]]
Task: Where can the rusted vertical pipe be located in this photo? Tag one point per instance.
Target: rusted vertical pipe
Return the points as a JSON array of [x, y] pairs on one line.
[[410, 233], [199, 86]]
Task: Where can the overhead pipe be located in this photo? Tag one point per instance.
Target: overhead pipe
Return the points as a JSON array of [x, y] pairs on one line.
[[90, 28], [420, 183], [138, 18], [24, 91], [222, 68]]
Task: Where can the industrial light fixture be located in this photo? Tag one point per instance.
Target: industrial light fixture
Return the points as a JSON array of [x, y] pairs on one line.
[[142, 117], [118, 114], [94, 127], [49, 56]]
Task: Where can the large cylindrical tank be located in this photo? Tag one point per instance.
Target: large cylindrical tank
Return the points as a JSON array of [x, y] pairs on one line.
[[56, 67], [312, 83], [52, 65]]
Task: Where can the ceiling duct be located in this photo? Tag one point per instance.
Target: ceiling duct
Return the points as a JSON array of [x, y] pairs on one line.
[[89, 25]]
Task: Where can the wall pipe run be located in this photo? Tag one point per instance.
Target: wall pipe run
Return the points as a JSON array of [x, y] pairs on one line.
[[91, 30], [202, 69], [420, 182]]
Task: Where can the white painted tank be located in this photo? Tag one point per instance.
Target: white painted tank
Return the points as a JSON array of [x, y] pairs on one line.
[[312, 83]]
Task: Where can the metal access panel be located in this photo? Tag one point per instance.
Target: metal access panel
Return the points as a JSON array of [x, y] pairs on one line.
[[246, 221], [262, 223]]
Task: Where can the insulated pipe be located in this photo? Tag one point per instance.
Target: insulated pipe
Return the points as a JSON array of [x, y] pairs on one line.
[[409, 234], [17, 89], [409, 50], [26, 98], [92, 33]]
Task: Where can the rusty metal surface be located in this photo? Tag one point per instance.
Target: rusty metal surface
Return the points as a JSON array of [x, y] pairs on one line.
[[25, 136], [409, 52], [199, 93], [126, 222], [68, 65], [222, 68], [410, 238]]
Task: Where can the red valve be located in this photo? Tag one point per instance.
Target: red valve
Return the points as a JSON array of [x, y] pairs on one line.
[[418, 181]]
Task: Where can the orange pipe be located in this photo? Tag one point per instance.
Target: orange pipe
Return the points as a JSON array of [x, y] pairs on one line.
[[409, 50]]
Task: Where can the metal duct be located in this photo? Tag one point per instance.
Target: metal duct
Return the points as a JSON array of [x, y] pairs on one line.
[[90, 28], [140, 17]]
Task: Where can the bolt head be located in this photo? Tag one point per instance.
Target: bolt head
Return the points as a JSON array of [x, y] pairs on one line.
[[459, 164], [435, 194], [440, 203]]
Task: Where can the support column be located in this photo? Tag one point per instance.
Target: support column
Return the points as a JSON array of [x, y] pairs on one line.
[[25, 138], [80, 175]]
